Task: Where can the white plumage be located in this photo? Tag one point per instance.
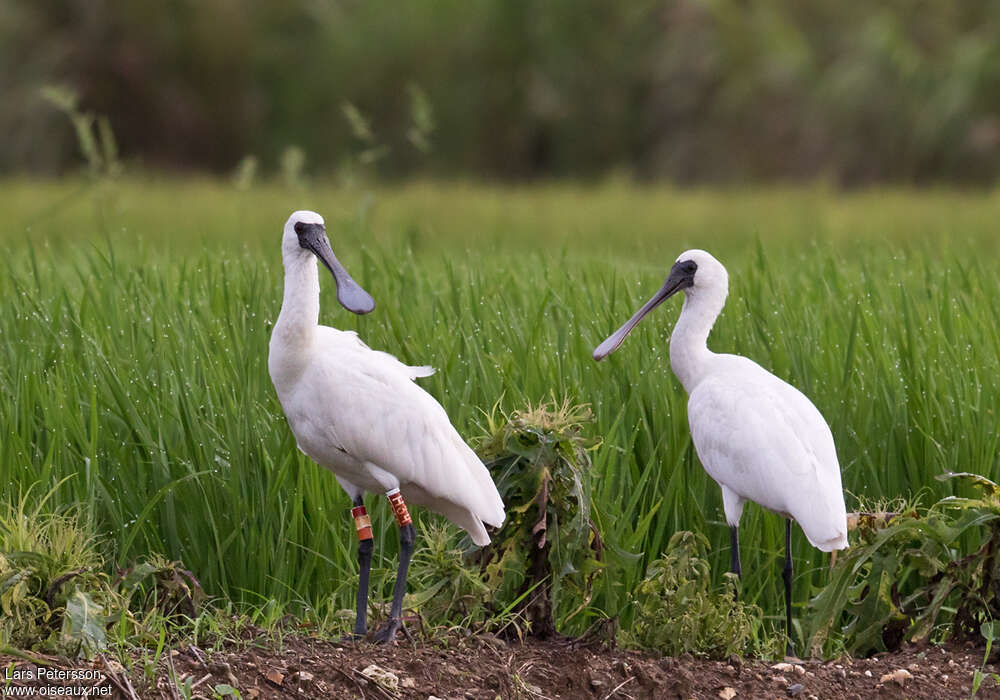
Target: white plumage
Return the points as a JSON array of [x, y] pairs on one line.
[[762, 440], [358, 412], [757, 436]]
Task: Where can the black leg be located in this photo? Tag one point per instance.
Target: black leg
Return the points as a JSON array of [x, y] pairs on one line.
[[734, 558], [734, 550], [387, 632], [787, 575], [365, 546]]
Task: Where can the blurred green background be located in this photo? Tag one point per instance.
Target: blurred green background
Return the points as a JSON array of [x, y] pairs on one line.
[[688, 91]]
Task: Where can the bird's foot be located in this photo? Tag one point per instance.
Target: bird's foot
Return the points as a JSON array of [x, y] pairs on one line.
[[387, 632]]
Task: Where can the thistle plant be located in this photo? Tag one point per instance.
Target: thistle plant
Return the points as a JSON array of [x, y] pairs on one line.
[[540, 459]]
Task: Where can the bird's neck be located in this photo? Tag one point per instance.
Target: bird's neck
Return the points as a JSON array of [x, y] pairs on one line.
[[299, 315], [689, 353]]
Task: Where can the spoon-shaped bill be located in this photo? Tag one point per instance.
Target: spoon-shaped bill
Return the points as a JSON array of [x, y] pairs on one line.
[[349, 293], [675, 282]]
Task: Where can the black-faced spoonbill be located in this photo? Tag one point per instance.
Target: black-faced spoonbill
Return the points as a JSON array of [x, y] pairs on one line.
[[757, 436], [357, 412]]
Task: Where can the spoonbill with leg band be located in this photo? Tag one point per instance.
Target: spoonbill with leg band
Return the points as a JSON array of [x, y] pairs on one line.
[[757, 436], [358, 412]]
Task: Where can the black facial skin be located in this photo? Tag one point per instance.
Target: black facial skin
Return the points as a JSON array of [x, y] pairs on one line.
[[302, 228], [681, 277], [684, 268], [351, 296], [310, 235]]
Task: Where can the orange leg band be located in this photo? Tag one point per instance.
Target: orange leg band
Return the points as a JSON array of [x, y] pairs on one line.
[[362, 522], [399, 508]]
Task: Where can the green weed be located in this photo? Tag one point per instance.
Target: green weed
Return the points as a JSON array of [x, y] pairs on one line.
[[54, 593], [989, 634], [929, 574], [678, 610], [448, 590]]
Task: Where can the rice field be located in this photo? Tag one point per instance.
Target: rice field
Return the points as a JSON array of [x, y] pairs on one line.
[[137, 313]]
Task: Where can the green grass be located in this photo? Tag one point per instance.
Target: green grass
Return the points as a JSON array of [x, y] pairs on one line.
[[136, 317]]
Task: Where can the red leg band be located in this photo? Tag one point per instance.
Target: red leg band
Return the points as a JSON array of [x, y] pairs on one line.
[[399, 508], [362, 522]]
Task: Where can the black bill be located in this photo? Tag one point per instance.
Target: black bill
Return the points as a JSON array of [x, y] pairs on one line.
[[349, 293], [681, 276]]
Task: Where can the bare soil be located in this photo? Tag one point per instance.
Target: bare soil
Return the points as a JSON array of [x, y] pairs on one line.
[[484, 666]]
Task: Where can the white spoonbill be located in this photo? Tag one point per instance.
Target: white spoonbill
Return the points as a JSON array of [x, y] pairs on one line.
[[757, 436], [357, 412]]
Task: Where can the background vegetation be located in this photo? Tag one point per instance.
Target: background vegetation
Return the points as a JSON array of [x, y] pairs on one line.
[[689, 90], [134, 342]]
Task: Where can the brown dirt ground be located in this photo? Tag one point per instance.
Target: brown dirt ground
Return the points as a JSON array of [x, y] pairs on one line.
[[486, 667]]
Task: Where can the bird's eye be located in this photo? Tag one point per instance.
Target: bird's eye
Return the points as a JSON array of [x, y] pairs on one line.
[[300, 228], [689, 266]]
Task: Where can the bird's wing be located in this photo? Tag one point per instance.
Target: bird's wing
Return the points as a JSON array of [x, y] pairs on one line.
[[365, 403], [764, 440], [351, 340]]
